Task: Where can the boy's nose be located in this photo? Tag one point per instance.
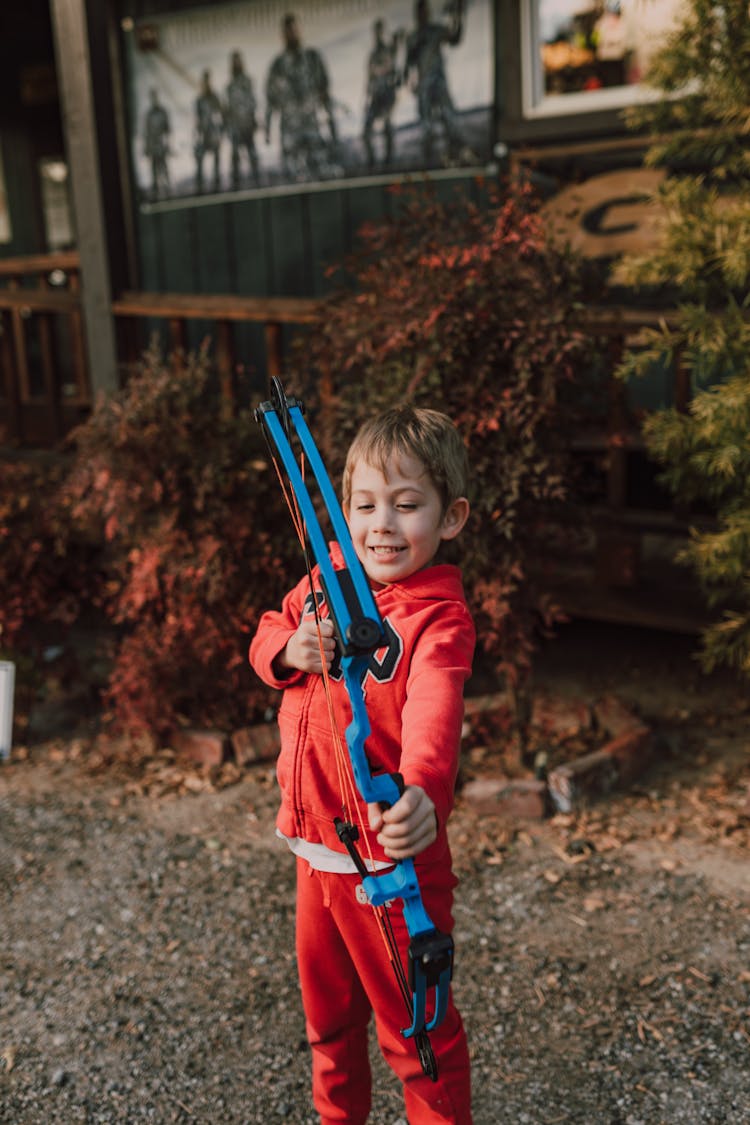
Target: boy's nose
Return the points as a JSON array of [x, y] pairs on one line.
[[383, 520]]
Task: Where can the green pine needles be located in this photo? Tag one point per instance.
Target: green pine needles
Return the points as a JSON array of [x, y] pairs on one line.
[[700, 133]]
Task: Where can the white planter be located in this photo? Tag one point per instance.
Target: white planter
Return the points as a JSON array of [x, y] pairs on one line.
[[7, 685]]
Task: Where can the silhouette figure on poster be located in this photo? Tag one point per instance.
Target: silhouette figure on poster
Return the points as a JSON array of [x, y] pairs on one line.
[[240, 116], [297, 89], [209, 127], [424, 71], [383, 81], [156, 133]]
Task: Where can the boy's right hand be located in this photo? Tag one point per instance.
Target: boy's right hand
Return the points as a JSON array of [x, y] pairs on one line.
[[303, 649]]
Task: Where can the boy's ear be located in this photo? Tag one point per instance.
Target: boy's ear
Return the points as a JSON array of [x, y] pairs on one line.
[[455, 518]]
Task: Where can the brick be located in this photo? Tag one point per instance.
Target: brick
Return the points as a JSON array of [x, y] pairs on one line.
[[632, 752], [521, 799], [558, 717], [745, 806], [256, 744], [206, 747], [576, 784], [614, 717], [497, 701], [573, 784]]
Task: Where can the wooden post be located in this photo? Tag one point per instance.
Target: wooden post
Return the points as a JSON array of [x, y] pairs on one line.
[[273, 348], [617, 549], [683, 392], [79, 117], [682, 388], [617, 436], [18, 333], [177, 343], [225, 364], [78, 349], [11, 386], [50, 371]]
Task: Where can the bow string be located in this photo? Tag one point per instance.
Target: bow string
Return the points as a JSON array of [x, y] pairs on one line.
[[359, 632]]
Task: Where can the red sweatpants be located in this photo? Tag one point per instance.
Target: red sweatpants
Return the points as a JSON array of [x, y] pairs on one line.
[[345, 975]]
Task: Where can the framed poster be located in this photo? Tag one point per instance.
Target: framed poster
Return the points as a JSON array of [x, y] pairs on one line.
[[584, 55], [248, 97]]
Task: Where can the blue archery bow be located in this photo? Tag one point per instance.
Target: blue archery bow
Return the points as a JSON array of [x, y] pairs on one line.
[[359, 633]]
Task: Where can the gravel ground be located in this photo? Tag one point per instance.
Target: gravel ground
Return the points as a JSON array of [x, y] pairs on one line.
[[603, 959]]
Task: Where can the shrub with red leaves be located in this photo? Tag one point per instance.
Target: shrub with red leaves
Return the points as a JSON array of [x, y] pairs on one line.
[[470, 311], [41, 573], [173, 505]]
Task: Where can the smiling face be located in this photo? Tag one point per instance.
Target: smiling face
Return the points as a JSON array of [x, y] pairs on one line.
[[396, 517]]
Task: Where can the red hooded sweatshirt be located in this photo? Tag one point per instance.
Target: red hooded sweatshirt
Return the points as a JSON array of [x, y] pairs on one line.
[[413, 692]]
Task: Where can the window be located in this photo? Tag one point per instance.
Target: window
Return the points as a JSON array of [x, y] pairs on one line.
[[58, 226], [585, 55]]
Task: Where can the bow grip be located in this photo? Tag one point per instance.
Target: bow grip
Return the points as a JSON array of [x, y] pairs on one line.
[[398, 781], [357, 634]]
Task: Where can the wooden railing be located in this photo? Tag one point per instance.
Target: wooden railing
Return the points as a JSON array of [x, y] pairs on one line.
[[45, 387], [224, 312], [621, 328], [44, 384]]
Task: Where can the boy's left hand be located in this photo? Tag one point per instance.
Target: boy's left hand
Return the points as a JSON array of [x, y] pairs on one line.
[[406, 828]]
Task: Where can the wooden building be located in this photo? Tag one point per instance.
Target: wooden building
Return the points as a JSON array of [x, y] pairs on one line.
[[133, 197]]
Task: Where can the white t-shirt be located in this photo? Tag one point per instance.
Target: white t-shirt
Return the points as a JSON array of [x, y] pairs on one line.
[[322, 858]]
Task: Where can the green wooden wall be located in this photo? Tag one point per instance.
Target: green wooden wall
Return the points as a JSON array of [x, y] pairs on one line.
[[277, 244]]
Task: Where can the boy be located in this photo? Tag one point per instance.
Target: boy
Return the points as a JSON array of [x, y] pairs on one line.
[[403, 496]]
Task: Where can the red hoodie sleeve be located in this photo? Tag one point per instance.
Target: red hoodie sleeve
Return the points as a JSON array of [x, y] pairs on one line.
[[273, 632], [433, 712]]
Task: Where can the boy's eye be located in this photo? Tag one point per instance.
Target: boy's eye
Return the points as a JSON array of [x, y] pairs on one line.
[[406, 506]]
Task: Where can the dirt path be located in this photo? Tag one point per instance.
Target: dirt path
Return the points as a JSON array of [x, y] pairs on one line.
[[147, 972]]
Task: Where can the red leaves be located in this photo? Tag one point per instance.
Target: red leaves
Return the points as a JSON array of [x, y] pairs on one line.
[[469, 311], [167, 522]]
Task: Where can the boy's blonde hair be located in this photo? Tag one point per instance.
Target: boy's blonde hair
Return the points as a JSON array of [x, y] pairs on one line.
[[427, 435]]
